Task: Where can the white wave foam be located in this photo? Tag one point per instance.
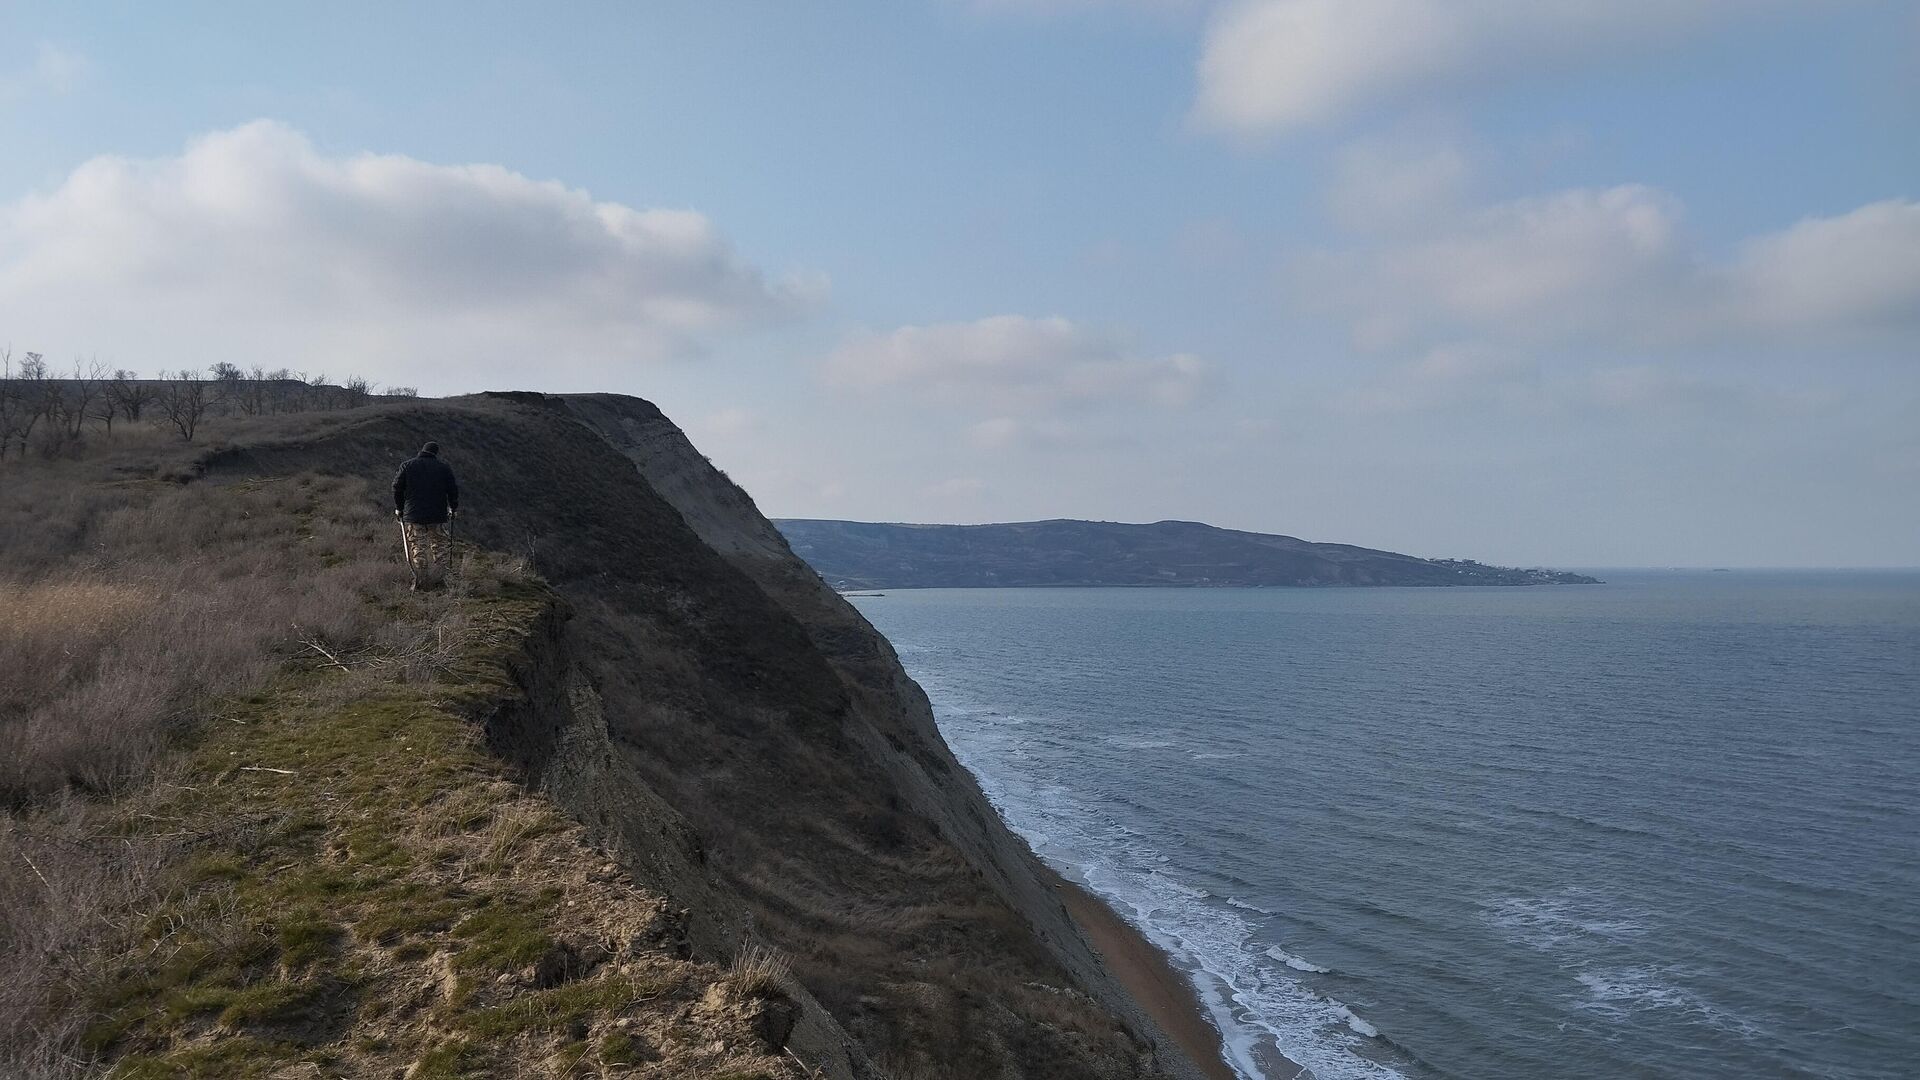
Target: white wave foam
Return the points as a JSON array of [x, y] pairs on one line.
[[1252, 998], [1569, 917], [1295, 962], [1234, 901], [1617, 994], [1359, 1026]]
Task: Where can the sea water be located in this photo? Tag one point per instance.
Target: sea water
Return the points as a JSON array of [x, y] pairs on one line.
[[1665, 826]]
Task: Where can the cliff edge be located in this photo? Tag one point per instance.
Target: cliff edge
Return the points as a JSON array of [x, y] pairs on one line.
[[742, 744], [982, 892]]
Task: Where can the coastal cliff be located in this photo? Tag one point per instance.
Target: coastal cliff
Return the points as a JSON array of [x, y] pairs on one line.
[[889, 722], [729, 762]]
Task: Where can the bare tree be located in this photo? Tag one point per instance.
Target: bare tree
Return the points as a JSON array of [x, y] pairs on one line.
[[80, 396], [12, 402], [279, 383], [183, 398], [251, 391], [106, 404], [32, 399], [403, 391], [130, 394], [358, 391]]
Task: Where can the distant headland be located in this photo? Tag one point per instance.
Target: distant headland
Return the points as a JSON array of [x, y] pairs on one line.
[[870, 555]]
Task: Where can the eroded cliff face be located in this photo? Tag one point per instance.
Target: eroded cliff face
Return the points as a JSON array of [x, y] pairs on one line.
[[740, 739], [889, 715]]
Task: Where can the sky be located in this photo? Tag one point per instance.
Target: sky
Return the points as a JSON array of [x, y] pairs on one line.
[[1542, 282]]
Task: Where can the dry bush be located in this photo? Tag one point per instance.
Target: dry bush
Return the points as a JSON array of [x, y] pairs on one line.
[[65, 610], [128, 604], [759, 971], [508, 833], [124, 607], [65, 899], [136, 590]]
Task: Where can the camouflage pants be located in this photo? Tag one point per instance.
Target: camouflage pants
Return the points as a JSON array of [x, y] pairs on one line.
[[431, 550]]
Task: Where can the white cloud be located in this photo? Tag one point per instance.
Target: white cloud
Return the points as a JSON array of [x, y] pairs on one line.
[[1449, 376], [1861, 269], [998, 433], [1059, 7], [995, 433], [54, 70], [727, 423], [1493, 385], [1012, 363], [959, 487], [1281, 65], [1615, 267], [1387, 182], [1539, 267], [253, 246]]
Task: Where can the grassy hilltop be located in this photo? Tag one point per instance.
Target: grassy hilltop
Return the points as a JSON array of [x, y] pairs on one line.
[[637, 795]]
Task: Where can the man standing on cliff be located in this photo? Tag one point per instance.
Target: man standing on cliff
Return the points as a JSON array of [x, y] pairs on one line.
[[425, 499]]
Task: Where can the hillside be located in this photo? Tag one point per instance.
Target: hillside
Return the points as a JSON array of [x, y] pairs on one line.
[[866, 555], [640, 796]]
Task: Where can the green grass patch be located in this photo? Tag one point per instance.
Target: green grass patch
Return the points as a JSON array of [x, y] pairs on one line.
[[305, 937], [449, 1061], [321, 823], [502, 940], [619, 1048], [561, 1007], [237, 1056], [276, 1002]]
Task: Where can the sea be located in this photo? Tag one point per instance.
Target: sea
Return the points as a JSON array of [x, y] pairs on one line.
[[1666, 826]]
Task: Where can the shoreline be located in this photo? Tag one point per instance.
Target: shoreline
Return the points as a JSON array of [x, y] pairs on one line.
[[1162, 990]]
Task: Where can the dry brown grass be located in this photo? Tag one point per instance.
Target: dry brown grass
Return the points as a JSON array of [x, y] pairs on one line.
[[759, 971], [67, 896], [165, 596], [127, 603], [69, 610]]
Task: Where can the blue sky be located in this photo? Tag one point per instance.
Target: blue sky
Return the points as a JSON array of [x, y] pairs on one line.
[[1576, 283]]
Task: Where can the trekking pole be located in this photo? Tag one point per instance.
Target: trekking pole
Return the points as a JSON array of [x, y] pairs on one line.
[[406, 548]]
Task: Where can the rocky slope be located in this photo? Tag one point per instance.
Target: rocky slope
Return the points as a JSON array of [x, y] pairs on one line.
[[745, 747], [868, 555]]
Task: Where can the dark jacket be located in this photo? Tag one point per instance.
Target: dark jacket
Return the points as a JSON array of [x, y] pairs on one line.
[[424, 490]]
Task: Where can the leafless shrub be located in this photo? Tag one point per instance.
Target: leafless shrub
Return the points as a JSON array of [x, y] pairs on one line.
[[183, 399], [65, 897], [99, 659], [129, 395], [76, 400], [426, 652], [25, 399], [759, 971]]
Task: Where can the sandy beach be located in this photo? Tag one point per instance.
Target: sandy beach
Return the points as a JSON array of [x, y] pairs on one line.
[[1160, 988]]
